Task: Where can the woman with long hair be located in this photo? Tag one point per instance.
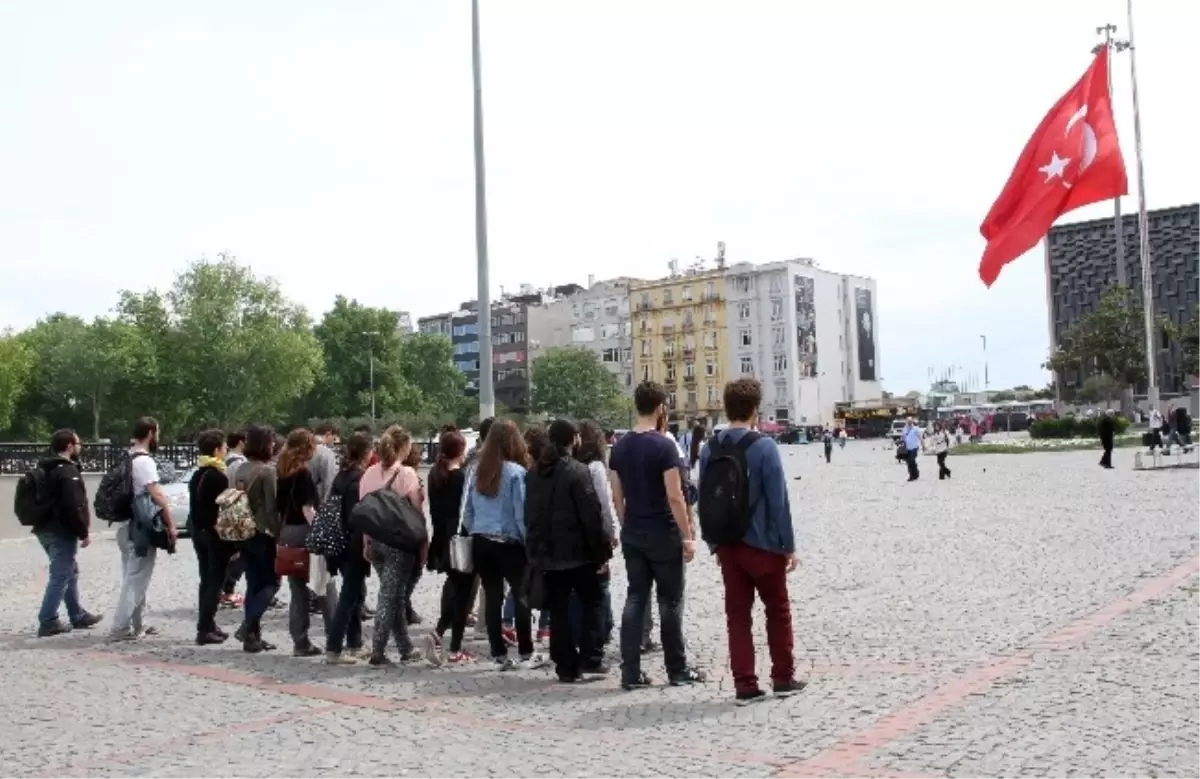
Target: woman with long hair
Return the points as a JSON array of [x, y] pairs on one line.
[[298, 499], [593, 452], [257, 478], [698, 434], [394, 565], [446, 482], [495, 518], [413, 460], [346, 629], [568, 542]]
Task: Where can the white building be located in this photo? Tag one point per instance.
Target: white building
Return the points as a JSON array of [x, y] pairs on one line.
[[807, 334], [596, 318]]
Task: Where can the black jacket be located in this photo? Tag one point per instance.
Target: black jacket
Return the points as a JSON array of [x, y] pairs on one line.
[[563, 524], [64, 485], [1107, 428], [345, 486]]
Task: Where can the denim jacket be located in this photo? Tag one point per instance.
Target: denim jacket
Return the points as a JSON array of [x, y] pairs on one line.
[[501, 517]]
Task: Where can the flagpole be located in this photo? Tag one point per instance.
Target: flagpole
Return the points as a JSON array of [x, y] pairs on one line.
[[483, 307], [1143, 223], [1114, 47]]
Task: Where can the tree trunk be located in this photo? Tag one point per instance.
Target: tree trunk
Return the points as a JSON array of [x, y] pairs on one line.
[[95, 418]]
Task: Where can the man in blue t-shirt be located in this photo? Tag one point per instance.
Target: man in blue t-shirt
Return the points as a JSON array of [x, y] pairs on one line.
[[656, 537]]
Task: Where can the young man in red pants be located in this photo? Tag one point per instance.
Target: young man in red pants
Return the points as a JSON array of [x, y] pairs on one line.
[[744, 514]]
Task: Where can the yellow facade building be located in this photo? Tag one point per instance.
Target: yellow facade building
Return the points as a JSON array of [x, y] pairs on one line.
[[679, 341]]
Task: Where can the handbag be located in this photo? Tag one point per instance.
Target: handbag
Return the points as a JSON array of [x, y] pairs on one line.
[[391, 519], [461, 557], [291, 553]]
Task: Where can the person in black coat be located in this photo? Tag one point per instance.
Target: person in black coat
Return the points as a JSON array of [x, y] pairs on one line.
[[566, 539], [1108, 431]]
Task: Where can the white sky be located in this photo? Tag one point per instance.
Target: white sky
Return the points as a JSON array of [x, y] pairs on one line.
[[329, 145]]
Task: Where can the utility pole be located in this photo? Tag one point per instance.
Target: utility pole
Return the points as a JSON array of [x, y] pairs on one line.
[[1114, 47], [370, 334], [487, 396], [1143, 223], [986, 382]]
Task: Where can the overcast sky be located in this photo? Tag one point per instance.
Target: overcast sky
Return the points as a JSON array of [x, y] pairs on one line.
[[329, 145]]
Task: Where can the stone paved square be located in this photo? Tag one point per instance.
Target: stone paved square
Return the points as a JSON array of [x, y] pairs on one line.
[[1035, 615]]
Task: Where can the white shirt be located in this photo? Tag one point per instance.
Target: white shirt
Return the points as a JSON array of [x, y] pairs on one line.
[[1156, 420], [143, 470]]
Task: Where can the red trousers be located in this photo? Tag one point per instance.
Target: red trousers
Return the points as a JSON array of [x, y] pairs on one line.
[[746, 570]]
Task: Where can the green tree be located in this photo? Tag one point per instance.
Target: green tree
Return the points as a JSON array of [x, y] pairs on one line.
[[574, 383], [427, 364], [1189, 340], [239, 350], [1099, 388], [1110, 340], [352, 337], [16, 363], [1001, 396]]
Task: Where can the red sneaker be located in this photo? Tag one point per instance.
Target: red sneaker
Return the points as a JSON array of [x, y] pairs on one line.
[[543, 636], [510, 636]]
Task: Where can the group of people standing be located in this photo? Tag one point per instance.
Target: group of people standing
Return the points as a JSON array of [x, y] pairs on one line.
[[538, 513]]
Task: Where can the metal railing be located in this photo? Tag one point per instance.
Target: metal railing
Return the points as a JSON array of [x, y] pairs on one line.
[[17, 458]]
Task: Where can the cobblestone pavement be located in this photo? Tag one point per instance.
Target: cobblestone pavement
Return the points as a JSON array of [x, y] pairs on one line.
[[1036, 615]]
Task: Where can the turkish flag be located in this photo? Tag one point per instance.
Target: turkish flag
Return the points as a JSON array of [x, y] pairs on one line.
[[1072, 160]]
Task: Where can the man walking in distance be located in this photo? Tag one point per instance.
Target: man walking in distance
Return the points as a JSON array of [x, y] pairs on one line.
[[62, 532], [656, 538], [912, 448], [745, 514], [1108, 432], [136, 571]]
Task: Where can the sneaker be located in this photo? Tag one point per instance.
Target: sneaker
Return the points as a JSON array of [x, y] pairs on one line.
[[543, 636], [118, 638], [210, 638], [599, 669], [437, 639], [785, 689], [471, 620], [305, 650], [413, 657], [363, 653], [510, 636], [639, 682], [87, 621], [576, 679], [687, 676], [337, 658], [55, 628], [380, 661], [146, 632], [253, 645], [502, 664], [533, 662], [746, 697], [231, 601], [459, 658], [433, 652]]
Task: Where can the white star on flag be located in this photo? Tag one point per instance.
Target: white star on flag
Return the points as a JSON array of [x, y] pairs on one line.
[[1055, 167]]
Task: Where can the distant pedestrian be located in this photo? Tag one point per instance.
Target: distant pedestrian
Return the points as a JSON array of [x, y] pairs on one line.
[[1107, 429], [941, 448], [62, 528], [827, 443], [911, 440]]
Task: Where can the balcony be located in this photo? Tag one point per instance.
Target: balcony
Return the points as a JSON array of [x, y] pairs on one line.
[[688, 351], [691, 407], [670, 382], [711, 347], [689, 326], [689, 380], [706, 296], [644, 306], [668, 356], [668, 329]]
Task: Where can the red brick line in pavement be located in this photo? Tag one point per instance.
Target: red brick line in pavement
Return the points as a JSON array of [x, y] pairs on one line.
[[846, 757]]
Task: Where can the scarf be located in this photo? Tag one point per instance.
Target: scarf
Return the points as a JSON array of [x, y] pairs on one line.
[[210, 462]]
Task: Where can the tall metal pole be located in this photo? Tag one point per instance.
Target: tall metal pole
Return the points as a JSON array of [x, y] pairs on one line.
[[1114, 47], [487, 396], [370, 334], [986, 382], [1143, 224]]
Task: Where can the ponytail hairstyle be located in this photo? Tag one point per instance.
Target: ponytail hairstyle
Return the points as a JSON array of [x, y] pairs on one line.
[[299, 448], [698, 434], [562, 435], [393, 446], [451, 446]]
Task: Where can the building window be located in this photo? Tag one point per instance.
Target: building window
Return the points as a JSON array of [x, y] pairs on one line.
[[645, 303], [609, 331], [710, 290], [643, 325], [689, 370], [689, 344], [627, 327], [781, 392], [667, 296], [778, 336], [645, 373], [687, 319], [710, 315], [646, 352], [611, 307], [574, 310], [590, 312], [610, 356], [714, 394], [743, 283], [691, 398], [710, 367], [669, 349], [781, 363], [743, 311], [745, 337], [583, 335], [686, 293], [776, 285], [710, 339], [626, 354], [776, 310], [670, 371], [747, 366]]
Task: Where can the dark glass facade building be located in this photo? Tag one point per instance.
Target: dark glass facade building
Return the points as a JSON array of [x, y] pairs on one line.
[[1080, 265]]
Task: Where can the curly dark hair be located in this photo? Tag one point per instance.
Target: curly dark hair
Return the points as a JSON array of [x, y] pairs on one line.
[[592, 443]]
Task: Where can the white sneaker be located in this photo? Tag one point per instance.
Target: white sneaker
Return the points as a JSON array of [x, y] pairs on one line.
[[533, 662], [433, 652]]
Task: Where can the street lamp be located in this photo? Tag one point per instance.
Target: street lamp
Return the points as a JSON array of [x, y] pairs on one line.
[[371, 361], [985, 367]]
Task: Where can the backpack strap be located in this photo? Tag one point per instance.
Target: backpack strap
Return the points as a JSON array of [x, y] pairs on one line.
[[746, 441]]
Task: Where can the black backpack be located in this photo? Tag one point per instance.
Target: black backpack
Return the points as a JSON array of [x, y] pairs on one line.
[[32, 505], [114, 496], [724, 505], [390, 518]]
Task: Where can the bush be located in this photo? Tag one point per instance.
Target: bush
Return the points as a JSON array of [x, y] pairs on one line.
[[1072, 427]]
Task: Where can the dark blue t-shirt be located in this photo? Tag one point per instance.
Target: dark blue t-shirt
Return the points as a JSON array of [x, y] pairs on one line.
[[640, 460]]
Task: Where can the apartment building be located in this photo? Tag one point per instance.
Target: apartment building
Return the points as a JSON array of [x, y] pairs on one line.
[[595, 318], [807, 334], [679, 340]]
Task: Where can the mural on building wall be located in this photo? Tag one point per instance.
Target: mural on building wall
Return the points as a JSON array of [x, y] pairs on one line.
[[864, 315], [806, 327]]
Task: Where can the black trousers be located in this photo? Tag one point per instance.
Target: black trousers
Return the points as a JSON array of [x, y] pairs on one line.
[[497, 563], [456, 604], [943, 471], [212, 559], [1106, 458], [571, 658], [914, 472], [235, 570]]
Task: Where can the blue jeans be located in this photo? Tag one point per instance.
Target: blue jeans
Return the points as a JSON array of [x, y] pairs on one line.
[[653, 558], [62, 584], [509, 617]]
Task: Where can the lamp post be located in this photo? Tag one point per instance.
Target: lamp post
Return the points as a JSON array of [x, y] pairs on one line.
[[370, 334], [985, 367], [487, 394]]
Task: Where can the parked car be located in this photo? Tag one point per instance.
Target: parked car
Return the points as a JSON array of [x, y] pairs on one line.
[[896, 431], [175, 487]]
